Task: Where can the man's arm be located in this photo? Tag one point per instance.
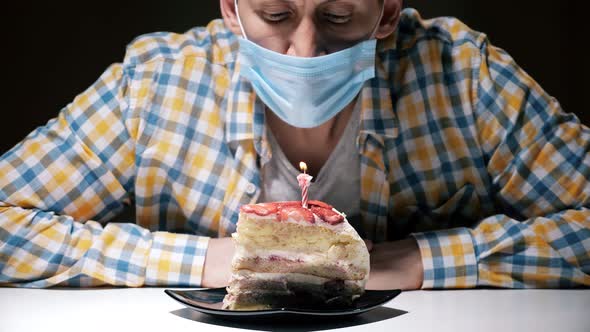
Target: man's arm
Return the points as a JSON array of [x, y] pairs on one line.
[[60, 186], [538, 158]]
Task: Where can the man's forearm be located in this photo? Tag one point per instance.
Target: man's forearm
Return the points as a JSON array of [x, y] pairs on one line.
[[396, 264]]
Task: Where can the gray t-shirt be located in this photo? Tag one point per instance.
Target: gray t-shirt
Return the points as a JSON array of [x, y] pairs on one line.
[[337, 183]]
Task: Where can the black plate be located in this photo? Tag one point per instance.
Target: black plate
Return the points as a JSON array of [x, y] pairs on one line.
[[210, 300]]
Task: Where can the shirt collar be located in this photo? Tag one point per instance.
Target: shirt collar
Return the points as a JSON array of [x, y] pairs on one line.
[[377, 98], [244, 119]]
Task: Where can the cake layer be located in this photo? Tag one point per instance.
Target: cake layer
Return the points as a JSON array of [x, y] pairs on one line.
[[260, 299], [317, 266], [264, 232], [248, 291], [285, 282]]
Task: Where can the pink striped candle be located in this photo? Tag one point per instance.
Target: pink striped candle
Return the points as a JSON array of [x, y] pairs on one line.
[[304, 181]]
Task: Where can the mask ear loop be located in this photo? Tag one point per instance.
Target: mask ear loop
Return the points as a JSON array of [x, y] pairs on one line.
[[240, 21]]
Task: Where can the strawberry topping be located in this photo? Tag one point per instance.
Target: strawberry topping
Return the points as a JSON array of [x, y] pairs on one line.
[[328, 215], [296, 213], [320, 204], [294, 210], [283, 204], [263, 209]]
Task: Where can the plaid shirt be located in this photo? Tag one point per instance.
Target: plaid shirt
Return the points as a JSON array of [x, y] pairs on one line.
[[459, 147]]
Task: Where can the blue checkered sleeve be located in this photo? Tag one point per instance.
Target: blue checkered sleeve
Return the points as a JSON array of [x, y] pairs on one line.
[[538, 159], [61, 185]]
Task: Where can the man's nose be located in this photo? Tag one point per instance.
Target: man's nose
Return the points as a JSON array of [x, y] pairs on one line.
[[304, 41]]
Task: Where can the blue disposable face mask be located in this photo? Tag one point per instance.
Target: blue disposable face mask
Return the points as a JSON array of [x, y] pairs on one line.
[[306, 92]]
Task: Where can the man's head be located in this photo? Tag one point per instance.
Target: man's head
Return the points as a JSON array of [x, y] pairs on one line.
[[308, 28]]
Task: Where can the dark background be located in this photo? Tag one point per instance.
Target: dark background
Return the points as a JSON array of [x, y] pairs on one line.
[[54, 51]]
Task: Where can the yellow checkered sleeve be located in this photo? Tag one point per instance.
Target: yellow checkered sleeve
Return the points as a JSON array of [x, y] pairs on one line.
[[61, 184], [538, 161]]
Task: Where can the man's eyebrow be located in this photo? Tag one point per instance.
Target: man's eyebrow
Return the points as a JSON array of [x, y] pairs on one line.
[[328, 1], [288, 1], [320, 3]]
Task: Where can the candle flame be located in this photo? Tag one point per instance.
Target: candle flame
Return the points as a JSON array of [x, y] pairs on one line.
[[303, 166]]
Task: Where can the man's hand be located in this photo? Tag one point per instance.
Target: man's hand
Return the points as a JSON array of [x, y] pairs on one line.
[[217, 269], [395, 265]]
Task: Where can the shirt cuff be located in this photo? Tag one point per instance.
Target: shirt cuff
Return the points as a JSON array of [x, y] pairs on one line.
[[176, 260], [448, 258]]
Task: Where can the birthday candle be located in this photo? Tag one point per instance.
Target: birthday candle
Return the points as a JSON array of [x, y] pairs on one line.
[[304, 181]]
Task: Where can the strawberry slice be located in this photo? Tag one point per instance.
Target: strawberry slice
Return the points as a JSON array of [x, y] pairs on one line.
[[296, 213], [284, 204], [320, 204], [271, 207], [263, 209], [328, 215]]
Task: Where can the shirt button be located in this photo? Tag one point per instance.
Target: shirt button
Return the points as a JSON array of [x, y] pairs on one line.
[[250, 188]]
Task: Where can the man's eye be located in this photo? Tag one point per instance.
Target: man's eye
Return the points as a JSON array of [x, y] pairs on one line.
[[337, 19], [275, 17]]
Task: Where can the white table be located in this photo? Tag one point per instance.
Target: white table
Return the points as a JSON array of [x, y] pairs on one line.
[[149, 309]]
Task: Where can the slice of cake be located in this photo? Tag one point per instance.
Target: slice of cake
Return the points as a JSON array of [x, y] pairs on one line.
[[290, 255]]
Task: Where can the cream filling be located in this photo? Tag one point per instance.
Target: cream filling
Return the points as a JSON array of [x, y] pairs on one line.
[[291, 277], [358, 260]]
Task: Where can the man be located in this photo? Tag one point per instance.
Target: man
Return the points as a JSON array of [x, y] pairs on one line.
[[451, 160]]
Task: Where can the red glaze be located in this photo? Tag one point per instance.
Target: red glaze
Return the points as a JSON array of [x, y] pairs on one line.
[[296, 213], [320, 204], [328, 215]]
